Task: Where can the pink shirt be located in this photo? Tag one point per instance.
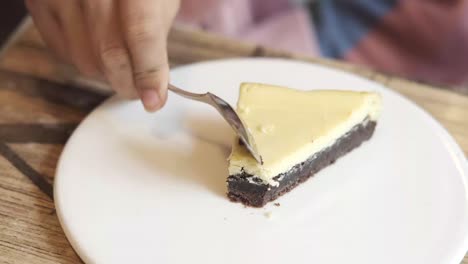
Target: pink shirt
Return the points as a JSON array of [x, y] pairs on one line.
[[419, 39]]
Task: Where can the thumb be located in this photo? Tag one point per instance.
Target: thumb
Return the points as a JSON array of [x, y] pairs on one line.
[[145, 33]]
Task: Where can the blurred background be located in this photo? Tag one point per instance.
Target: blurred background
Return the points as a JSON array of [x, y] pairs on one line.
[[424, 40]]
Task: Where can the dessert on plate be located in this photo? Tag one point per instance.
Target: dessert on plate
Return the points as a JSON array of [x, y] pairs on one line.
[[297, 133]]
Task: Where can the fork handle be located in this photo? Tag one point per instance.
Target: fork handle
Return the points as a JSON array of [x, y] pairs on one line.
[[189, 95]]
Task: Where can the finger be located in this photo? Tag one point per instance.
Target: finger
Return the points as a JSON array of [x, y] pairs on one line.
[[104, 28], [145, 32], [47, 23], [77, 38]]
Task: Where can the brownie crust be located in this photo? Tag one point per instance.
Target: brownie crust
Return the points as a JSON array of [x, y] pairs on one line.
[[257, 194]]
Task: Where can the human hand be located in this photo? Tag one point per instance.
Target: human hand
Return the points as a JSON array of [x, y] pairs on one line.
[[123, 41]]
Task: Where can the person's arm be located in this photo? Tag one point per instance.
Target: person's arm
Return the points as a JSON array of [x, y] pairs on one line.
[[123, 41]]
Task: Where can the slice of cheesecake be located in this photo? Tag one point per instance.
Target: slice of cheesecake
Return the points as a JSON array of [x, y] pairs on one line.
[[297, 133]]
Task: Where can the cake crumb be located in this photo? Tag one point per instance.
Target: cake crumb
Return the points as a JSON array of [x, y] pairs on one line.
[[268, 215], [266, 129], [277, 204]]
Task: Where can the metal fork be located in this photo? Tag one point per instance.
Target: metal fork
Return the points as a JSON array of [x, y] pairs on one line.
[[228, 114]]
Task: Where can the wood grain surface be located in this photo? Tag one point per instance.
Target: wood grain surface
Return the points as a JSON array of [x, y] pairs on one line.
[[42, 100]]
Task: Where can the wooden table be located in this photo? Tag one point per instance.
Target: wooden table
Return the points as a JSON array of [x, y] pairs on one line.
[[43, 100]]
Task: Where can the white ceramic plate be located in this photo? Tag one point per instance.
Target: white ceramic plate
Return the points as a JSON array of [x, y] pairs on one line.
[[133, 187]]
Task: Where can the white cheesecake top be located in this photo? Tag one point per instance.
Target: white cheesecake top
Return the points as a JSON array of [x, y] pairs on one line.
[[289, 125]]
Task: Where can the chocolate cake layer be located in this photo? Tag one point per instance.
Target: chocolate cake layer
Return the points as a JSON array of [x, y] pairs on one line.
[[253, 192]]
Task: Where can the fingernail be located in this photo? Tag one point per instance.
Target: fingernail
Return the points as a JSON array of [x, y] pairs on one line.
[[151, 100], [163, 96]]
